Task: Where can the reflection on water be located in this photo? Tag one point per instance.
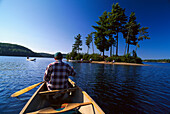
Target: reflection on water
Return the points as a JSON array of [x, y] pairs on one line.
[[116, 88], [126, 89]]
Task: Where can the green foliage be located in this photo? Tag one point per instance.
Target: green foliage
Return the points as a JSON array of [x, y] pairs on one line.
[[79, 57], [108, 27], [88, 41], [94, 57], [134, 54], [127, 58], [138, 60], [116, 19], [143, 34], [131, 31], [157, 60], [68, 56], [72, 55], [127, 55], [78, 43], [100, 34], [97, 57], [7, 49], [86, 57], [109, 59]]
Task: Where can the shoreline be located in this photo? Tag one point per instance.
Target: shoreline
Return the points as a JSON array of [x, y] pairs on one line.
[[111, 63], [119, 63]]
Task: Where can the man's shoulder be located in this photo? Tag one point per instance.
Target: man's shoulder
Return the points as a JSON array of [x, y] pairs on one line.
[[51, 64], [56, 63], [66, 64]]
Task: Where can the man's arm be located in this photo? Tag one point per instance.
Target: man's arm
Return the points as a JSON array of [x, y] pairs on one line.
[[71, 71], [47, 75]]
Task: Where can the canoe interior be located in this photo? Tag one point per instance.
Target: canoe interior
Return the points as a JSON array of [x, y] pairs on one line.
[[37, 101]]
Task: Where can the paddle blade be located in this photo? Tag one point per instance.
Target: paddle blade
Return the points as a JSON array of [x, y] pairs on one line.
[[25, 90]]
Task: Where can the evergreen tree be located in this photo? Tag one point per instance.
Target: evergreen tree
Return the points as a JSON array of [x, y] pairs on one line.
[[117, 19], [78, 43], [100, 34], [131, 31], [111, 42], [92, 41], [88, 41], [143, 34]]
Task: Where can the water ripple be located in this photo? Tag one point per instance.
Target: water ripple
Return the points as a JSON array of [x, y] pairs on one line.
[[116, 88]]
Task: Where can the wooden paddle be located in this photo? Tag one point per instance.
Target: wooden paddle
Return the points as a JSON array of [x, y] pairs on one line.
[[25, 90]]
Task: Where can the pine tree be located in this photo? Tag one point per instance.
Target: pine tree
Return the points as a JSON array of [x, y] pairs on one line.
[[143, 34], [78, 43], [131, 31], [100, 34], [111, 42], [88, 41], [92, 41], [117, 19]]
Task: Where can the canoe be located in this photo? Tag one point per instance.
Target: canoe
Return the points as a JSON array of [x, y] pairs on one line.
[[31, 59], [76, 101]]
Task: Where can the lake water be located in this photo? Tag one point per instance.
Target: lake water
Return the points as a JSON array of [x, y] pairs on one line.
[[115, 88]]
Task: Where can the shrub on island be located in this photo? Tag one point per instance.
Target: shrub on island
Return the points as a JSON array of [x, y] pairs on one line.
[[75, 56], [127, 59]]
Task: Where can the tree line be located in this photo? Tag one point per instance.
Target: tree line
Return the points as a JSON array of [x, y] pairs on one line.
[[7, 49], [106, 34], [157, 60]]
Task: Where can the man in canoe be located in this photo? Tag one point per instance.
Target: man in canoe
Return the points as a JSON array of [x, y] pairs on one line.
[[56, 74]]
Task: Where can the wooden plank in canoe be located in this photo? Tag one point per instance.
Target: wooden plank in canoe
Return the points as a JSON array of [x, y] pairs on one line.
[[57, 91], [68, 107], [38, 102]]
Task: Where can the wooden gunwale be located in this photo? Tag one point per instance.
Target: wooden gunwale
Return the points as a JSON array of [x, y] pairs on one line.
[[33, 96], [93, 102]]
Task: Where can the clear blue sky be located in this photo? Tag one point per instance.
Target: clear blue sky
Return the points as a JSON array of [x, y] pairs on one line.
[[51, 25]]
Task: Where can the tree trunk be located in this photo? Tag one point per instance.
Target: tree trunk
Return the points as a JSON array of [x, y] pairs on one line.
[[126, 44], [117, 44], [103, 54], [128, 49], [125, 49], [111, 51], [92, 46], [136, 46], [88, 50]]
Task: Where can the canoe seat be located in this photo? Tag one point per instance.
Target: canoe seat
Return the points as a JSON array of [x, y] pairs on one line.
[[57, 91], [67, 107]]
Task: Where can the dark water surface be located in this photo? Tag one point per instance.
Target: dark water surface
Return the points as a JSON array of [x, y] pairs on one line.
[[116, 88]]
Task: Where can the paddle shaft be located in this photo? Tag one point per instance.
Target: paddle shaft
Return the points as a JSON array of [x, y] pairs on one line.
[[26, 89]]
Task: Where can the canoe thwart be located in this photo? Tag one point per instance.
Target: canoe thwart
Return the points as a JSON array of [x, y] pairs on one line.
[[74, 101], [67, 107], [57, 91]]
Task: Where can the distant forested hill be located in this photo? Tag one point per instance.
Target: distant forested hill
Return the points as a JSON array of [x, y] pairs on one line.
[[7, 49], [157, 60]]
